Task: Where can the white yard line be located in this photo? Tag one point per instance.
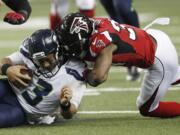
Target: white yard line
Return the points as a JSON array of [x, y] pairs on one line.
[[121, 89], [109, 112], [96, 92], [92, 93], [16, 43], [43, 22], [32, 23]]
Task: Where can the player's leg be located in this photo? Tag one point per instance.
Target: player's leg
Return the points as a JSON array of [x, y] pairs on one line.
[[158, 79], [11, 113], [86, 7], [3, 88], [59, 9], [108, 6], [133, 73], [126, 12]]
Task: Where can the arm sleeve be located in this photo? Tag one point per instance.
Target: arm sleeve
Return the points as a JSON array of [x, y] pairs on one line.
[[16, 58], [78, 92], [20, 6], [99, 43], [75, 69]]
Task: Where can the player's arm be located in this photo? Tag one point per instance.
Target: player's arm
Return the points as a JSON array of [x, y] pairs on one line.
[[102, 65], [68, 109], [4, 61], [9, 68], [22, 12]]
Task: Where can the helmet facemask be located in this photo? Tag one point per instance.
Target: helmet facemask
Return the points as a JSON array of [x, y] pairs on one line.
[[52, 69]]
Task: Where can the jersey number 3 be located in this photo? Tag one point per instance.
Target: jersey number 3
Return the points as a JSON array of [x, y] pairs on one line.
[[117, 27], [42, 89]]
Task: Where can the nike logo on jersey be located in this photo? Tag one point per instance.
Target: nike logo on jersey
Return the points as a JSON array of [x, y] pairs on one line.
[[94, 42], [98, 43]]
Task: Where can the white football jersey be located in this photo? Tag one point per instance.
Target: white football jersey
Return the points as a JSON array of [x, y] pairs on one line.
[[42, 96]]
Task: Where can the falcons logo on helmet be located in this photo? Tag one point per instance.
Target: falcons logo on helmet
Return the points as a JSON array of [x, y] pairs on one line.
[[78, 25]]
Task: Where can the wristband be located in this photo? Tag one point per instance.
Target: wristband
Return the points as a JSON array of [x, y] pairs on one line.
[[4, 68], [66, 106]]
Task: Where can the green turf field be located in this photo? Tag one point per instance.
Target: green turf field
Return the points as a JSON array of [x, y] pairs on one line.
[[110, 111]]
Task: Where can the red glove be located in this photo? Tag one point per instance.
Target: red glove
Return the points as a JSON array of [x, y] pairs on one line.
[[14, 18]]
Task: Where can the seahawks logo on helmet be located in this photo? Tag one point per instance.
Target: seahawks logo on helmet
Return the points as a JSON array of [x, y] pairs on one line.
[[78, 25]]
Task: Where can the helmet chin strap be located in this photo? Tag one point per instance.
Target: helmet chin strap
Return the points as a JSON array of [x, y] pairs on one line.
[[82, 44], [79, 36], [94, 24], [83, 54]]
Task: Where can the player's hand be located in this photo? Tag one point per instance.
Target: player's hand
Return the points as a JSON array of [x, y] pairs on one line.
[[15, 75], [14, 18], [66, 95]]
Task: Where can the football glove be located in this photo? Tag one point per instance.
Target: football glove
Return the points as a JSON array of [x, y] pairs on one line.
[[14, 18]]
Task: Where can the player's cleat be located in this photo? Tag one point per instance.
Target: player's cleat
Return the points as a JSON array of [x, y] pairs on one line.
[[48, 119], [133, 74], [14, 18]]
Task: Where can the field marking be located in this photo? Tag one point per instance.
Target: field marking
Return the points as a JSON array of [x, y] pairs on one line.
[[96, 92], [92, 93], [109, 112], [32, 23], [43, 22], [17, 43], [120, 89]]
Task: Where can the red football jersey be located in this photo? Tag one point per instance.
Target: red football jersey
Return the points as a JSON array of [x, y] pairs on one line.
[[135, 47]]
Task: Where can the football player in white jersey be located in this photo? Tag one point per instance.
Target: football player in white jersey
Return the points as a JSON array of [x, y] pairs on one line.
[[41, 80], [59, 9]]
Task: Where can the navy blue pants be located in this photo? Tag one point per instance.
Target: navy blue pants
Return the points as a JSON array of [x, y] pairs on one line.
[[11, 112], [121, 11]]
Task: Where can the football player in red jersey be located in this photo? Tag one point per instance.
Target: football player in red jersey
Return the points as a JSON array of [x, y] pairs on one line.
[[107, 42], [22, 12], [122, 11]]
